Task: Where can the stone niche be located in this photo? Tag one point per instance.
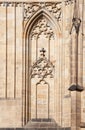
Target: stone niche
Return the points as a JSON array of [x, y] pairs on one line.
[[36, 63]]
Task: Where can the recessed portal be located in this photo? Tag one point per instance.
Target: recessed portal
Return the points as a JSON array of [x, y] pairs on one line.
[[42, 42]]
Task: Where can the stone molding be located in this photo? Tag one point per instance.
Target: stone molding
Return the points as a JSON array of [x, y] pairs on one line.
[[55, 8], [10, 3], [76, 24]]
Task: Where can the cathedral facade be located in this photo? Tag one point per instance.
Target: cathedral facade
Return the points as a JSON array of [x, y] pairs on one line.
[[42, 62]]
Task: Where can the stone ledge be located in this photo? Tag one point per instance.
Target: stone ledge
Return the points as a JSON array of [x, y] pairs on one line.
[[35, 128], [31, 0], [75, 87], [82, 125]]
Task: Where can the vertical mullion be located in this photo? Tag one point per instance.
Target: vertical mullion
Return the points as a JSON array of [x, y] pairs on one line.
[[6, 53], [15, 53], [49, 48], [36, 48]]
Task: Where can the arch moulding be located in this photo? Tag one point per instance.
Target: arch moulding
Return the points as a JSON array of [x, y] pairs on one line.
[[26, 55]]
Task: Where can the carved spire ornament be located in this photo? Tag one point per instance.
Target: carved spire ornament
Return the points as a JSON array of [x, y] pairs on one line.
[[76, 23], [42, 68]]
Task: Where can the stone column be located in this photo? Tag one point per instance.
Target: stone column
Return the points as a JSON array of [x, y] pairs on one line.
[[75, 88]]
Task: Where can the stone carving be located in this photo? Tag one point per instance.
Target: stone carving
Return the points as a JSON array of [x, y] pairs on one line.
[[34, 4], [67, 2], [76, 23], [11, 4], [53, 8], [30, 8], [42, 27], [42, 68]]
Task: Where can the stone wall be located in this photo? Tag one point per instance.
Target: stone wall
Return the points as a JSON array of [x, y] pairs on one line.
[[14, 90], [10, 66]]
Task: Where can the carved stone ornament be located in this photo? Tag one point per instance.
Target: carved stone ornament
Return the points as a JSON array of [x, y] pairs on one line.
[[11, 4], [42, 27], [42, 68], [30, 8], [76, 23], [67, 2], [53, 8], [34, 4]]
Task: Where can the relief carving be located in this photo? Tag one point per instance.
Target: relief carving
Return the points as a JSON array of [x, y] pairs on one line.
[[53, 8], [42, 27], [36, 4], [76, 23], [30, 9], [42, 68]]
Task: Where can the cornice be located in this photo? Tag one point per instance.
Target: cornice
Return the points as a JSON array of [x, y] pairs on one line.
[[20, 3]]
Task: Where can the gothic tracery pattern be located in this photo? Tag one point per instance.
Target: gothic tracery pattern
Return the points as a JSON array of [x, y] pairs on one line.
[[42, 27], [42, 67], [53, 8]]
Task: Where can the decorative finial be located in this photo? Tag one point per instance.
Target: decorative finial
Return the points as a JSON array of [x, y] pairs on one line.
[[42, 52]]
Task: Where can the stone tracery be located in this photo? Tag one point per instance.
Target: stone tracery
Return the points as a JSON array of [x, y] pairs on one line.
[[53, 8], [42, 27], [42, 67]]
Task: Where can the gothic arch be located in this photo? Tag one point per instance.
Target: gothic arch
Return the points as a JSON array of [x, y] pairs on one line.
[[37, 15], [27, 29]]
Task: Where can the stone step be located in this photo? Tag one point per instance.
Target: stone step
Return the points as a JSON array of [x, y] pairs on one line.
[[35, 128]]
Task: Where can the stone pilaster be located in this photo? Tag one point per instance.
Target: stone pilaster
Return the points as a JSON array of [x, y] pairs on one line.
[[75, 87]]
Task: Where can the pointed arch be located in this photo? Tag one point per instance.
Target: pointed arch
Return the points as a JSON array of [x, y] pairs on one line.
[[26, 56], [37, 15]]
